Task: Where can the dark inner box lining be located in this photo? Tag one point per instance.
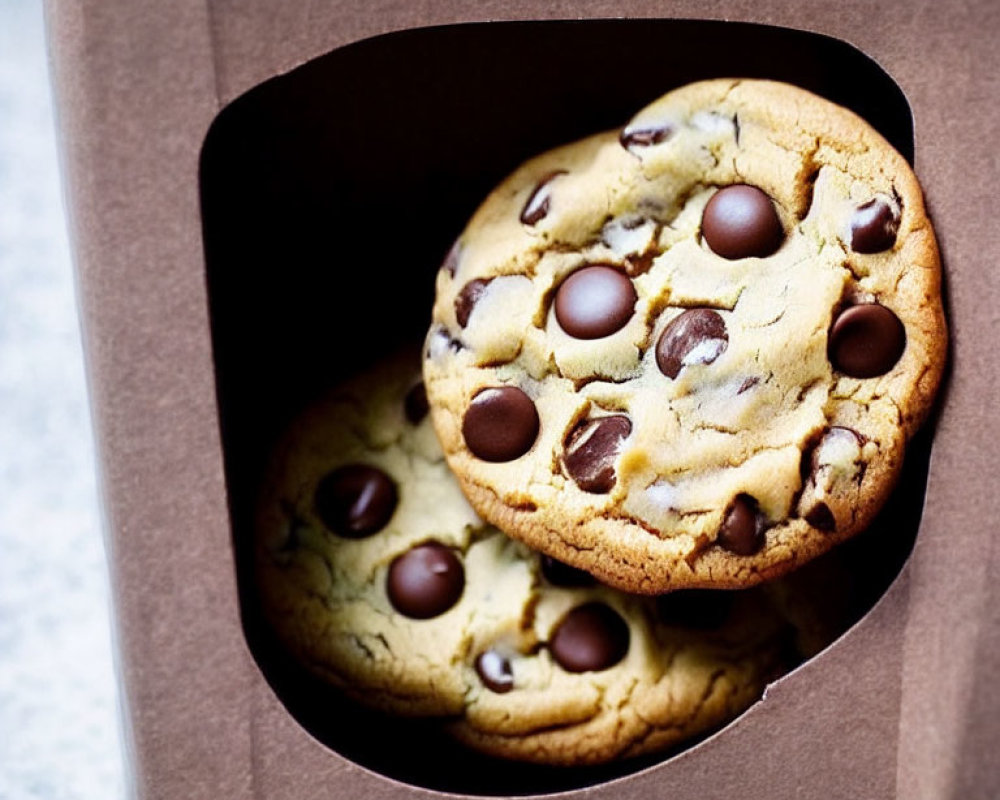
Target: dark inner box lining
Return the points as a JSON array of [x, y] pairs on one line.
[[329, 197]]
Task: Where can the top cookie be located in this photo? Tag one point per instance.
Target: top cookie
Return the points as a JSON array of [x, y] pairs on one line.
[[689, 353]]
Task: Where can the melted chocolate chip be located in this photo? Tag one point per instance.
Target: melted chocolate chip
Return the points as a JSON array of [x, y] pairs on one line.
[[537, 207], [425, 581], [866, 341], [697, 336], [594, 302], [590, 637], [466, 299], [415, 403], [645, 134], [559, 573], [740, 221], [591, 449], [742, 530], [874, 227], [832, 433], [356, 500], [821, 518], [699, 609], [495, 672], [810, 463], [500, 424], [837, 431]]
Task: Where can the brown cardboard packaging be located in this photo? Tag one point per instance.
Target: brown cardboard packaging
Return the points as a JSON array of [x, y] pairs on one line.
[[205, 198]]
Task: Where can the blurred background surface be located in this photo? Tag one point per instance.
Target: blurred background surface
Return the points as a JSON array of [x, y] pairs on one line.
[[60, 728]]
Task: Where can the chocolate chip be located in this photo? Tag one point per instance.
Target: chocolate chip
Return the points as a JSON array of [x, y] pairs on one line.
[[821, 518], [415, 403], [833, 433], [699, 609], [450, 264], [838, 431], [537, 207], [356, 500], [594, 302], [645, 134], [697, 336], [495, 671], [742, 530], [559, 573], [812, 466], [740, 221], [591, 449], [501, 424], [874, 227], [590, 637], [866, 340], [810, 463], [425, 581], [467, 299]]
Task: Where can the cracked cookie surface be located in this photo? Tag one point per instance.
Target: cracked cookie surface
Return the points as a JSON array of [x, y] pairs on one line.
[[690, 353], [377, 575]]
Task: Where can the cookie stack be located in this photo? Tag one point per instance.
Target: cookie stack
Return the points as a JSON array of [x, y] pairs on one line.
[[668, 365]]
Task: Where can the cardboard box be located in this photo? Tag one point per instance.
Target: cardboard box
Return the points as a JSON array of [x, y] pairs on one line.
[[228, 222]]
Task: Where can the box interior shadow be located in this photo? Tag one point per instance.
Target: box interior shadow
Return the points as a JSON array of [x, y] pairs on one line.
[[329, 198]]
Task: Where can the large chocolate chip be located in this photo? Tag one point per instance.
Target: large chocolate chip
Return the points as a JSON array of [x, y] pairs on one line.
[[874, 227], [645, 134], [537, 207], [742, 530], [559, 573], [591, 449], [697, 336], [466, 299], [355, 500], [699, 609], [740, 221], [866, 340], [590, 637], [494, 671], [500, 424], [425, 581], [415, 404], [594, 302]]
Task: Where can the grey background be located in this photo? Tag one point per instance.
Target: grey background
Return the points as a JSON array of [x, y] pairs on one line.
[[60, 732]]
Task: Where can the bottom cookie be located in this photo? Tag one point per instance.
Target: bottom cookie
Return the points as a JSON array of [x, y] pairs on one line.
[[376, 575]]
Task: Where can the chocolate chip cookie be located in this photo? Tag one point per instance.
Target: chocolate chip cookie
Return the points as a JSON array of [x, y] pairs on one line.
[[376, 574], [690, 352]]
